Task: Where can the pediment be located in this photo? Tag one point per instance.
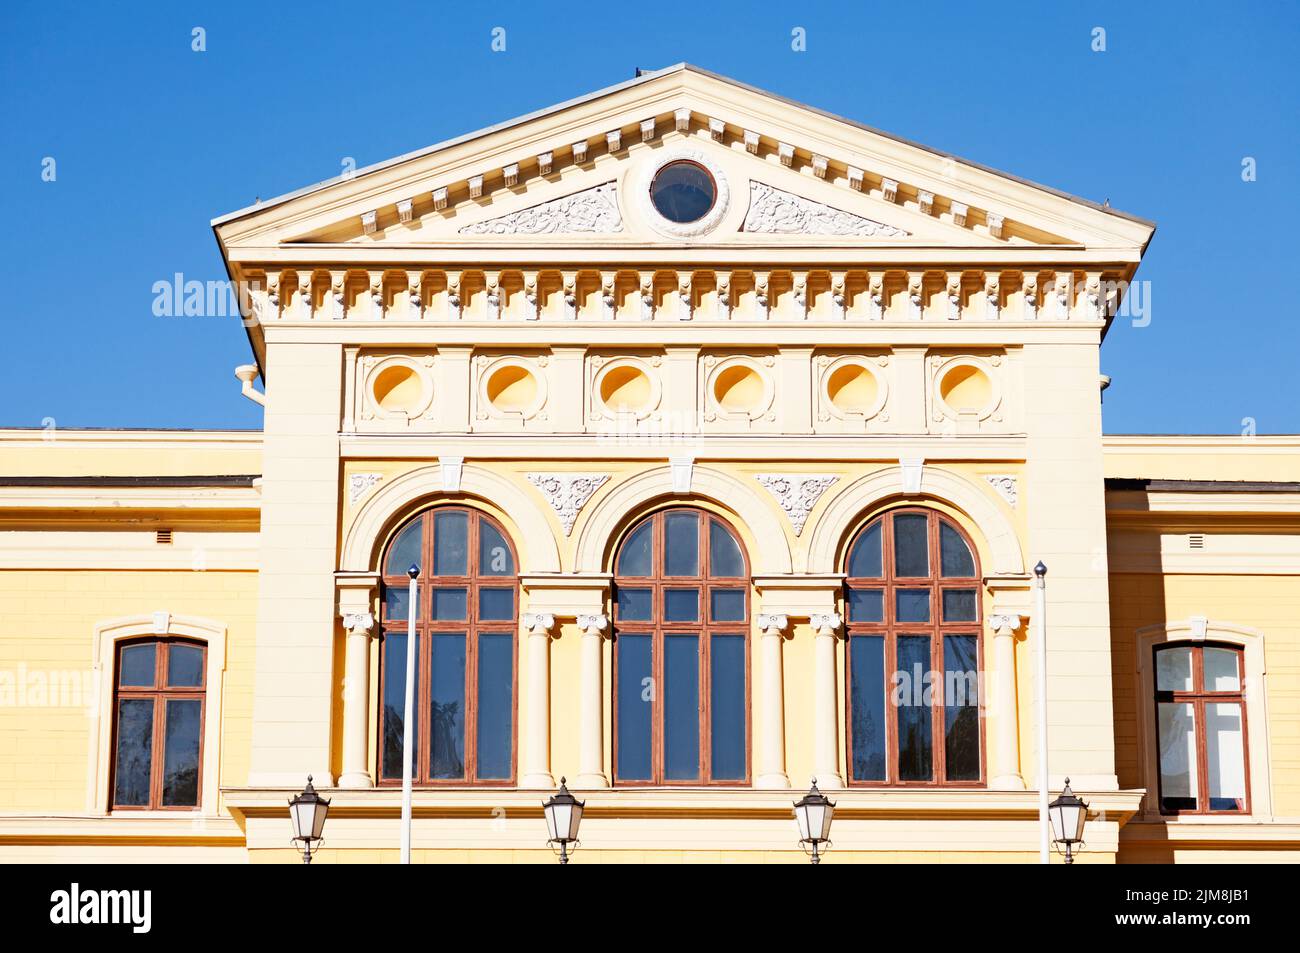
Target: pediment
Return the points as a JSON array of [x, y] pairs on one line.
[[578, 175]]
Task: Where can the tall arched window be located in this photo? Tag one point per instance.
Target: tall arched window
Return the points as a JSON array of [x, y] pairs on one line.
[[681, 673], [914, 656], [158, 724], [1201, 722], [465, 654]]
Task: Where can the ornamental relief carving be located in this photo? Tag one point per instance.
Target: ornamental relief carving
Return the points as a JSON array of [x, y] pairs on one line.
[[775, 211], [567, 493], [593, 210], [797, 493]]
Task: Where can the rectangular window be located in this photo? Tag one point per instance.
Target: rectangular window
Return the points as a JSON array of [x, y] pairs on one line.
[[729, 706], [867, 704], [681, 707], [961, 714], [915, 719], [447, 706], [635, 694], [496, 692], [395, 702]]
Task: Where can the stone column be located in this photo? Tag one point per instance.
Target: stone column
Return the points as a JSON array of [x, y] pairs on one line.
[[536, 768], [771, 739], [591, 698], [356, 701], [826, 722], [1004, 770]]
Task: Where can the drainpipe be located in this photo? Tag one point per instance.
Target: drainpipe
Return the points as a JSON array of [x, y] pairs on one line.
[[246, 373]]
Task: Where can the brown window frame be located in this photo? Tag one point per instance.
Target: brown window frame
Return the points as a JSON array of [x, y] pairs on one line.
[[1199, 697], [426, 627], [159, 693], [704, 628], [936, 629]]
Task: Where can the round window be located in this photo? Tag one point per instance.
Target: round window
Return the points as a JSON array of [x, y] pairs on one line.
[[683, 191]]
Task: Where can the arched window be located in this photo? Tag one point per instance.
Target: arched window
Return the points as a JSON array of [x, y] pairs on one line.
[[914, 656], [681, 673], [1201, 727], [465, 653], [158, 702]]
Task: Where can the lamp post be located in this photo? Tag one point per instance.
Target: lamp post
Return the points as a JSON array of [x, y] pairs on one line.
[[1069, 814], [408, 713], [1040, 612], [814, 812], [307, 811], [563, 815]]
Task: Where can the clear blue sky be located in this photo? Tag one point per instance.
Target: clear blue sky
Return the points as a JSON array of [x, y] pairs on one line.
[[153, 140]]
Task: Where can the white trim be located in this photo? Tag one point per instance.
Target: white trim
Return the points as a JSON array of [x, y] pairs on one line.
[[641, 194], [104, 646], [1195, 629]]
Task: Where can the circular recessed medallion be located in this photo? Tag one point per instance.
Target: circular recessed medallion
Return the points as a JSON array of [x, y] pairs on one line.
[[683, 191]]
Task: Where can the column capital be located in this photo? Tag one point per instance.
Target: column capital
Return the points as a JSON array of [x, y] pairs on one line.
[[593, 622], [826, 622], [1009, 621], [771, 621], [358, 623], [538, 623]]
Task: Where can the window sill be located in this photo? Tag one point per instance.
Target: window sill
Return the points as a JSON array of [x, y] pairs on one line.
[[130, 827]]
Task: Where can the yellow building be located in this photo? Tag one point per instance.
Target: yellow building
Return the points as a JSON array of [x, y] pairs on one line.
[[725, 434]]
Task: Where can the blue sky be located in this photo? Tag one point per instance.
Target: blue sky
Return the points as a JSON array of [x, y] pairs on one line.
[[152, 140]]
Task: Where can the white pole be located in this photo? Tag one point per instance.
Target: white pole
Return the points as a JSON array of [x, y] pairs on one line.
[[408, 746], [1040, 614]]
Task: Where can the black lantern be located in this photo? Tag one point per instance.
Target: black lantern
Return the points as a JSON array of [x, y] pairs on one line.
[[563, 815], [1068, 814], [308, 811], [814, 812]]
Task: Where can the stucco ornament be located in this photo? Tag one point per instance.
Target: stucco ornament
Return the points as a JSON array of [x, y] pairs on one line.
[[591, 210], [1005, 484], [797, 493], [568, 493], [775, 211], [359, 484]]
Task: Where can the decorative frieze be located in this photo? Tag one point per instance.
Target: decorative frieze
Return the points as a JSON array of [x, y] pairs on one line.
[[568, 493], [797, 493], [592, 210], [775, 211]]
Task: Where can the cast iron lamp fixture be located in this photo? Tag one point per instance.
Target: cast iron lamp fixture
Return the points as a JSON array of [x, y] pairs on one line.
[[814, 812], [1068, 814], [308, 811], [563, 815]]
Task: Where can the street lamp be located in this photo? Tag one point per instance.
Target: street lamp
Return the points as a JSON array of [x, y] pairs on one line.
[[814, 812], [307, 811], [563, 815], [1068, 814]]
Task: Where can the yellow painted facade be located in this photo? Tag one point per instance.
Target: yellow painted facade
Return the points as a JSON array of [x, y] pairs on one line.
[[505, 322]]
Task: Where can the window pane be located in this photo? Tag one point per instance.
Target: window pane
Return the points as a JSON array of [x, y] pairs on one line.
[[634, 605], [864, 560], [635, 695], [867, 706], [1174, 669], [1177, 729], [494, 557], [184, 665], [681, 544], [134, 752], [447, 706], [634, 556], [451, 543], [913, 605], [961, 721], [449, 604], [496, 660], [395, 702], [681, 707], [724, 552], [727, 707], [396, 600], [1225, 756], [405, 549], [911, 545], [496, 604], [915, 727], [866, 605], [955, 557], [136, 667], [1221, 673], [681, 605], [181, 752], [959, 605], [727, 605]]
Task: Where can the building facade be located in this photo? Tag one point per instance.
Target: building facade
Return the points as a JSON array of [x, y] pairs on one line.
[[725, 434]]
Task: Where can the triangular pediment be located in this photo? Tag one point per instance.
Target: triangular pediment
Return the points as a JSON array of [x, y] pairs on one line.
[[786, 175]]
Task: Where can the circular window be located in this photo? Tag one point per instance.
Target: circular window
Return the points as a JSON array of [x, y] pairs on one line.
[[683, 191]]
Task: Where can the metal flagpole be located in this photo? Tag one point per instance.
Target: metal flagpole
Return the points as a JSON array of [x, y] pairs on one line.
[[408, 746], [1040, 614]]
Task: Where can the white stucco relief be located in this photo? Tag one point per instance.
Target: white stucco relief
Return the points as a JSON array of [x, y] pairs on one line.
[[775, 211], [591, 210], [568, 493]]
